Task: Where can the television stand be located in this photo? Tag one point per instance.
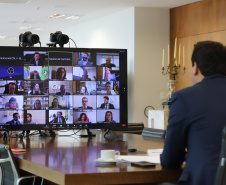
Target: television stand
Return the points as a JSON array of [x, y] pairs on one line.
[[109, 130], [6, 135], [89, 134]]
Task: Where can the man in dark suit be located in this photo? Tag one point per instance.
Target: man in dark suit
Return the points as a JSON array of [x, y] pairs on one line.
[[35, 75], [15, 120], [55, 104], [59, 118], [106, 104], [197, 117], [85, 104], [36, 61], [62, 91]]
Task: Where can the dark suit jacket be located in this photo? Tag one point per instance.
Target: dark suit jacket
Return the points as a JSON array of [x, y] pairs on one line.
[[196, 120], [59, 93], [88, 107], [40, 62], [111, 106], [12, 122], [56, 119], [59, 107], [37, 77]]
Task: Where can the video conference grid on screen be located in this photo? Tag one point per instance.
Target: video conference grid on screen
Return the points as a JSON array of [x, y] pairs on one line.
[[57, 88]]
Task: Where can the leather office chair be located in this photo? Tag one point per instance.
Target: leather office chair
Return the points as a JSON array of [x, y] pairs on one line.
[[221, 171], [9, 171]]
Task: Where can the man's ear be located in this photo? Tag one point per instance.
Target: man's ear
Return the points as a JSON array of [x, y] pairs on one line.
[[195, 70]]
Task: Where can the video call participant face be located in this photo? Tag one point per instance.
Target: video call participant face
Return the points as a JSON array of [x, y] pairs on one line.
[[106, 100], [63, 89], [55, 102], [36, 87], [12, 103], [29, 118], [59, 114], [84, 101], [85, 57], [37, 105], [108, 86], [108, 60], [16, 116], [61, 73], [36, 56], [107, 74], [108, 116], [12, 88], [83, 90]]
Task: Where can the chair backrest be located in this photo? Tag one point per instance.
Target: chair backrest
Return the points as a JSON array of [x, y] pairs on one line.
[[221, 171], [10, 173]]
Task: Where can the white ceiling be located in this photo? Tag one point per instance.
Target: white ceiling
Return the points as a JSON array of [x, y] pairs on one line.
[[33, 15]]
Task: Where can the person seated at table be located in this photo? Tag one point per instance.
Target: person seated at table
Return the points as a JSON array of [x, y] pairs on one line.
[[63, 91], [12, 104], [37, 105], [35, 75], [15, 120], [55, 104], [83, 90], [61, 74], [109, 117], [106, 104], [85, 104], [36, 90], [108, 63], [83, 118], [59, 118]]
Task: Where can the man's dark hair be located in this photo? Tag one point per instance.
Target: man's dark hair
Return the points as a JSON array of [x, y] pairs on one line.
[[210, 57], [59, 112], [55, 99], [106, 97], [29, 114], [12, 99], [36, 52], [14, 114]]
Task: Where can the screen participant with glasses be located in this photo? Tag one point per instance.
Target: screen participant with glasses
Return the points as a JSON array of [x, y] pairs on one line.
[[37, 105], [83, 90], [106, 104], [59, 118], [63, 91], [55, 104], [85, 104]]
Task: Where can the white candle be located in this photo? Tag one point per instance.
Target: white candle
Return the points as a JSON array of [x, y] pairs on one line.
[[163, 58], [179, 56], [183, 57], [168, 55], [175, 47]]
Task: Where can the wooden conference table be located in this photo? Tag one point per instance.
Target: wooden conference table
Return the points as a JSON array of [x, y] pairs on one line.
[[69, 160]]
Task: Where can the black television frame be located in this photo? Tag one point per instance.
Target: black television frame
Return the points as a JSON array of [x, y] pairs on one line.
[[6, 52]]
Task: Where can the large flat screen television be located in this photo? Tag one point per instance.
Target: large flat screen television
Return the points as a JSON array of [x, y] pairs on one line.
[[49, 88]]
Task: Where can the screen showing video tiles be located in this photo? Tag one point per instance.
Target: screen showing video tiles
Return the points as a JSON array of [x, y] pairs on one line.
[[57, 88]]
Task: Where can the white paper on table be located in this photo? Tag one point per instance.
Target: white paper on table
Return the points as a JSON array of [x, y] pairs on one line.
[[153, 156]]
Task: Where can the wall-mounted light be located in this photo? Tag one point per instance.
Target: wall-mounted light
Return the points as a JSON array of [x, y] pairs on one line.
[[58, 38], [28, 39]]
